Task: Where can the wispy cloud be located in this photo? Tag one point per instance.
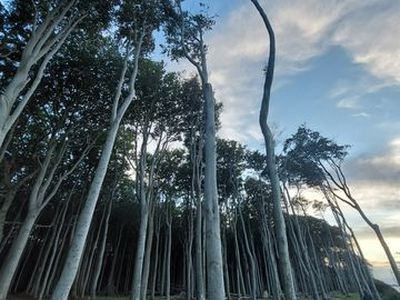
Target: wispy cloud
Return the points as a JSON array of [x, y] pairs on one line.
[[388, 231], [382, 167], [304, 29], [351, 102], [361, 115]]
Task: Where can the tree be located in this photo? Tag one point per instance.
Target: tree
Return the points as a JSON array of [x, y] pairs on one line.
[[284, 262], [185, 39], [56, 139], [137, 38], [49, 30], [317, 161]]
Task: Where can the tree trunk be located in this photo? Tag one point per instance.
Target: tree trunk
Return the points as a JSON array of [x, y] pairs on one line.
[[168, 279], [376, 229], [199, 254], [141, 243], [250, 255], [100, 256], [284, 260], [71, 266], [215, 275], [15, 253], [155, 268], [110, 282], [44, 42], [53, 253], [4, 210], [149, 245]]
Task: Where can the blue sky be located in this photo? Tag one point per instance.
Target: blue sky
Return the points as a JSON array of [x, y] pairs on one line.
[[338, 71]]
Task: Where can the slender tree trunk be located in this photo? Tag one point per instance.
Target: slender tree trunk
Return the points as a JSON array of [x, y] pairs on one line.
[[169, 241], [376, 229], [75, 253], [199, 254], [92, 249], [53, 253], [188, 256], [226, 271], [164, 267], [15, 253], [42, 262], [110, 282], [241, 286], [4, 210], [139, 259], [155, 268], [199, 248], [44, 42], [284, 260], [71, 266], [215, 275], [22, 267], [251, 257], [149, 245], [100, 256]]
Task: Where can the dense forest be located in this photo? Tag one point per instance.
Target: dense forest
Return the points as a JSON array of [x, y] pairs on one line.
[[114, 181]]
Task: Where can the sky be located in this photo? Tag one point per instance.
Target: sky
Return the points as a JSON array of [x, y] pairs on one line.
[[337, 71]]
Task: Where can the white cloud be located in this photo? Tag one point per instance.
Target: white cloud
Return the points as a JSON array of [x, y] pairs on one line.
[[379, 168], [304, 29], [388, 160], [369, 35], [351, 102], [361, 115]]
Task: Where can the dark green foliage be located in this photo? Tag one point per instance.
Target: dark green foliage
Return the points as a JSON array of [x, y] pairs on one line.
[[305, 153], [137, 20]]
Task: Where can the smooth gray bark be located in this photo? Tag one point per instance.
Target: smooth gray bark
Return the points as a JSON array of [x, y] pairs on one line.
[[155, 268], [38, 199], [12, 260], [54, 251], [149, 245], [340, 183], [168, 263], [139, 259], [45, 41], [215, 275], [75, 252], [284, 260], [4, 210], [100, 257]]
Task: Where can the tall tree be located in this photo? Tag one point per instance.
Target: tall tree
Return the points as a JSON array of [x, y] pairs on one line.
[[186, 39], [317, 160], [284, 260], [137, 21], [55, 124]]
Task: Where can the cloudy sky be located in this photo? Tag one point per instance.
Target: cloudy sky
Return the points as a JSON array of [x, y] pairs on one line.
[[338, 71]]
